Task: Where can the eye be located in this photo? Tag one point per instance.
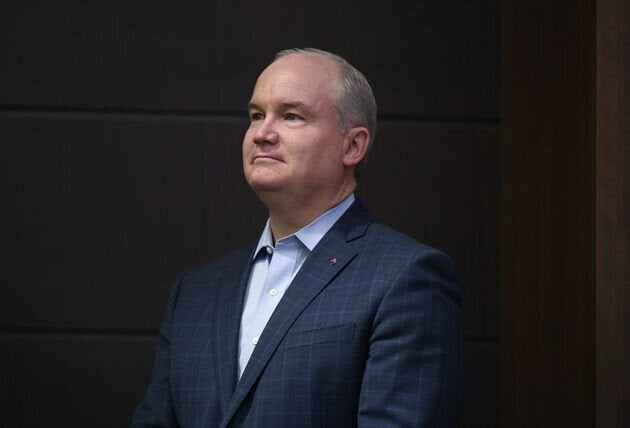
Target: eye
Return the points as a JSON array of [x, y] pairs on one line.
[[254, 116], [293, 116]]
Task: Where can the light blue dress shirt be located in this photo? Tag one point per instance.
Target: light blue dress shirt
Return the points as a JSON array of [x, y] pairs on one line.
[[273, 269]]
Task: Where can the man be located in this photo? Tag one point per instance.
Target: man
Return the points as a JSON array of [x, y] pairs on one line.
[[331, 320]]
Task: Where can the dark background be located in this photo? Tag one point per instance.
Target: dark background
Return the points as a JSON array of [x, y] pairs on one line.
[[121, 124], [120, 129]]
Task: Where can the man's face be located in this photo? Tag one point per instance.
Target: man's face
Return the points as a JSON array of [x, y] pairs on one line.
[[293, 146]]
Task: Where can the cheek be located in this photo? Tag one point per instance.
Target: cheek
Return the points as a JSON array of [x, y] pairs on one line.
[[332, 151], [247, 141], [245, 151]]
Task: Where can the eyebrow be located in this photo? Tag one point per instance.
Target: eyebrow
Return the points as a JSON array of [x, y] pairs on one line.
[[297, 105]]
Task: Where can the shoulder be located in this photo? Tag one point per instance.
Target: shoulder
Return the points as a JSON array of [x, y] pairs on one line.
[[218, 272], [384, 250], [382, 240], [391, 255], [205, 281]]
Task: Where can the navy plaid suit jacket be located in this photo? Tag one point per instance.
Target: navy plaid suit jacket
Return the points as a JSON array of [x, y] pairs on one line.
[[368, 334]]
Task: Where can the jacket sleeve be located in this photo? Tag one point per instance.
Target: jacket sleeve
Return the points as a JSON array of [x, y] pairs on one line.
[[156, 409], [413, 372]]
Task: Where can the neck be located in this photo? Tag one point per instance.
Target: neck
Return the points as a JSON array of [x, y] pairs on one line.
[[288, 215]]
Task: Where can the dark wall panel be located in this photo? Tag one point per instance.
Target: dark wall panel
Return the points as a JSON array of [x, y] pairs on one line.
[[612, 221], [548, 215], [423, 57], [57, 381], [101, 214], [481, 409]]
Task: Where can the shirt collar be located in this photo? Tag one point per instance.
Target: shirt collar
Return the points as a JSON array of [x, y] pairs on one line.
[[312, 233]]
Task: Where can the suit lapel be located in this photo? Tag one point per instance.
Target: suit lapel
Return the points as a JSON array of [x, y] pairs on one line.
[[328, 258], [228, 320]]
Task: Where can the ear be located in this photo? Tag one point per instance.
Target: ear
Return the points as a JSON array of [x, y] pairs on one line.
[[357, 142]]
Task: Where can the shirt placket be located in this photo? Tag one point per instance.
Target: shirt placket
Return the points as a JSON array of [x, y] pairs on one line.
[[278, 278]]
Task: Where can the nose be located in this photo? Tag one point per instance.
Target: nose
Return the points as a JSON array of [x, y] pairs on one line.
[[266, 132]]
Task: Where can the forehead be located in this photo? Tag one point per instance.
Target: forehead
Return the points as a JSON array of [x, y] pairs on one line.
[[298, 78]]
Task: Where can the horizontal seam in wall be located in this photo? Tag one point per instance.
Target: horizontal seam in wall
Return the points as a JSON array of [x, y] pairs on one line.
[[166, 114], [76, 332]]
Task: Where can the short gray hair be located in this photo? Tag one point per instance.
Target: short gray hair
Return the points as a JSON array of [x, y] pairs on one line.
[[353, 100]]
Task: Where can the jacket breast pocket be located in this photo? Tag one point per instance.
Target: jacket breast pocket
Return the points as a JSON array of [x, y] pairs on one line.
[[332, 334]]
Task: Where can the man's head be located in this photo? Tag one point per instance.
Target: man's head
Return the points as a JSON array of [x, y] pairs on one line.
[[313, 118], [352, 97]]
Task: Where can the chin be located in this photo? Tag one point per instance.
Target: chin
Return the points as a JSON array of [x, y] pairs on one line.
[[264, 180], [264, 184]]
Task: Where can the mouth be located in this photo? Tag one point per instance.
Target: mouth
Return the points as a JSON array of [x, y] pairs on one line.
[[264, 157]]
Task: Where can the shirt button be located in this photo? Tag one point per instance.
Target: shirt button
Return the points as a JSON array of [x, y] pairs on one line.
[[254, 340], [269, 250], [273, 291]]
